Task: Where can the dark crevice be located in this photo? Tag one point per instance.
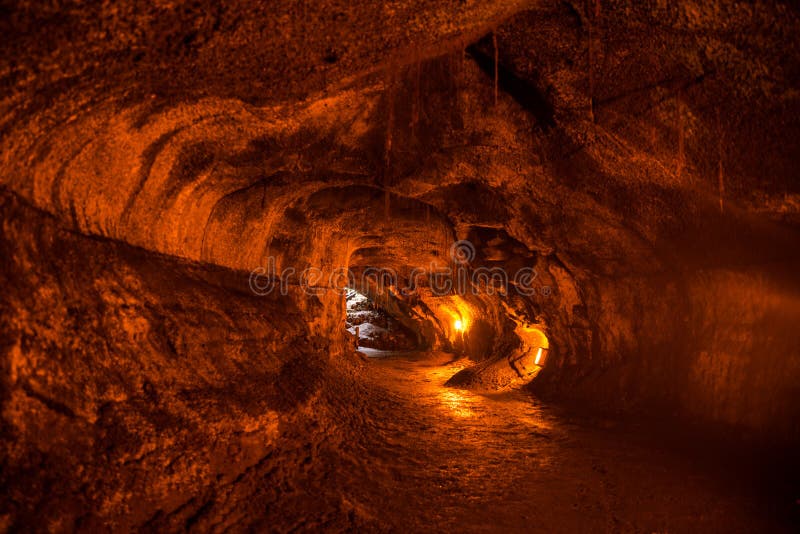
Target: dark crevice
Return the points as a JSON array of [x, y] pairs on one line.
[[521, 90], [52, 404]]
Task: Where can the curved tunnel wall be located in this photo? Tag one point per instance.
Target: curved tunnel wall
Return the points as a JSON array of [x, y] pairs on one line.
[[662, 289]]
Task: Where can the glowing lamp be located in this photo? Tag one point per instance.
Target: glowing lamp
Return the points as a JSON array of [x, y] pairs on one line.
[[541, 357], [459, 326]]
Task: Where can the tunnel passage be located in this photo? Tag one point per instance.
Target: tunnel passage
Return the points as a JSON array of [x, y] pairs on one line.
[[593, 206], [372, 327]]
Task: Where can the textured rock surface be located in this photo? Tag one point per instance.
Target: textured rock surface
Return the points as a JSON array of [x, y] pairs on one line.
[[640, 156]]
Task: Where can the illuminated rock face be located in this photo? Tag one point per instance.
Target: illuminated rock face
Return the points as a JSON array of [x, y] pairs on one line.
[[639, 161]]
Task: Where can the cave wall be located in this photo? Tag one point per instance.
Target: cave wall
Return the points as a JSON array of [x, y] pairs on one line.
[[746, 357], [641, 156], [716, 344], [132, 374]]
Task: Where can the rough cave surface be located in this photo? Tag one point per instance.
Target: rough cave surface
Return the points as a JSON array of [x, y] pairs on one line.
[[638, 158]]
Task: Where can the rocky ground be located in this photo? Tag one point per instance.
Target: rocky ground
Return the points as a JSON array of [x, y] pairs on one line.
[[635, 161]]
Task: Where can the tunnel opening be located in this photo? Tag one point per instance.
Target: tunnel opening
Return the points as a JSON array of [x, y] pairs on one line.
[[371, 326]]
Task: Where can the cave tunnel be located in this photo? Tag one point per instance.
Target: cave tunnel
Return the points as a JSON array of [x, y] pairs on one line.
[[374, 327], [567, 232]]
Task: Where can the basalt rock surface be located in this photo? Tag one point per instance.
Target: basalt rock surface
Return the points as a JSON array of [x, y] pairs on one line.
[[638, 160]]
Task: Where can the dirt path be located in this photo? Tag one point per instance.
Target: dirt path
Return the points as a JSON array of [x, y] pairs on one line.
[[385, 447], [504, 462]]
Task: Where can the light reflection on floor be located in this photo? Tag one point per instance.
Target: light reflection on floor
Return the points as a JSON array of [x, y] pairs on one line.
[[459, 404], [506, 462], [423, 376]]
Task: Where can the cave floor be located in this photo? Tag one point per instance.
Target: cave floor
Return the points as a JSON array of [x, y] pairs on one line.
[[384, 446], [447, 458]]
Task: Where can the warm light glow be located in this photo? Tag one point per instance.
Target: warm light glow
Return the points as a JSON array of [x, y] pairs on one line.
[[538, 356], [458, 403], [457, 318]]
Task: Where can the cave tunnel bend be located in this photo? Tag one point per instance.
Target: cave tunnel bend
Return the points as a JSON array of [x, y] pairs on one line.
[[568, 236], [390, 322]]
